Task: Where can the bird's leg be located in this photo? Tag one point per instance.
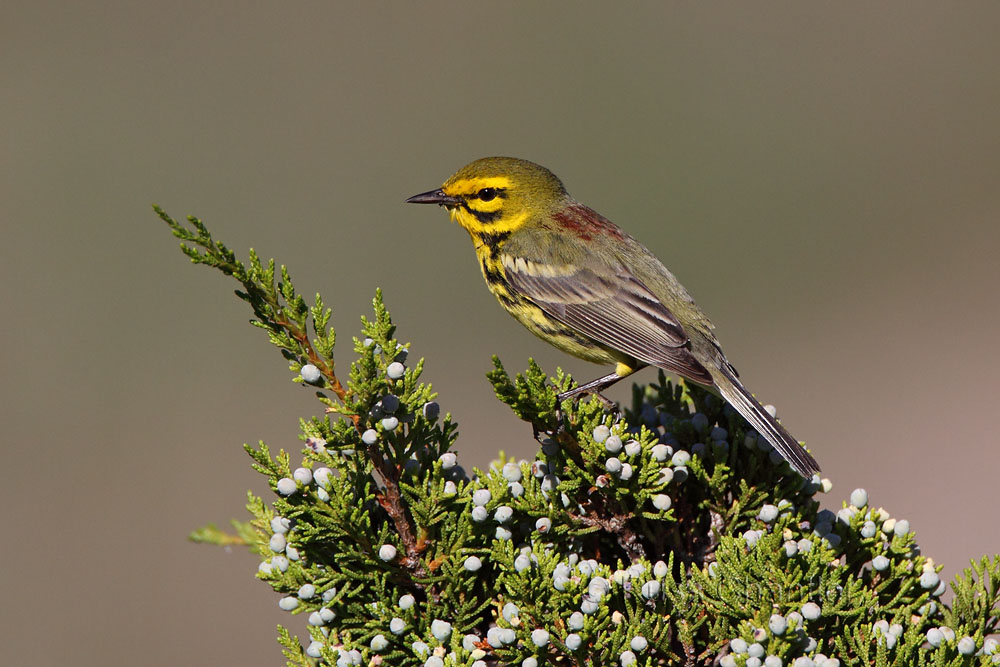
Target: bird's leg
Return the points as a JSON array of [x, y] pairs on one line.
[[594, 388]]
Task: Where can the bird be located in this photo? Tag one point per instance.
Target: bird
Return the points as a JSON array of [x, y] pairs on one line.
[[579, 282]]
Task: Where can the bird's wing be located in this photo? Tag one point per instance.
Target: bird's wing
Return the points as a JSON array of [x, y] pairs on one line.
[[609, 304]]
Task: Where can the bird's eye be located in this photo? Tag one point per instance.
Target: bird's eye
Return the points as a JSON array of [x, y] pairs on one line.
[[487, 194]]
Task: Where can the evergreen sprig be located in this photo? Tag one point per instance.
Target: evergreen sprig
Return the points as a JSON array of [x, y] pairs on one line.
[[668, 534]]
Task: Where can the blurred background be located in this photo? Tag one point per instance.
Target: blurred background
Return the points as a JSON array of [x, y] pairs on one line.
[[824, 179]]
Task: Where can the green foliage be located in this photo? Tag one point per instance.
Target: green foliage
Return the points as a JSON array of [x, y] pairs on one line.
[[666, 535]]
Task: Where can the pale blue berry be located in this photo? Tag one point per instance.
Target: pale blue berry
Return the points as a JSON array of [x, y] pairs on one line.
[[803, 661], [805, 545], [511, 472], [502, 534], [277, 543], [530, 661], [667, 475], [755, 650], [661, 501], [751, 537], [507, 636], [469, 642], [406, 601], [626, 472], [880, 563], [516, 489], [315, 619], [901, 528], [753, 662], [395, 370], [303, 476], [522, 563], [680, 458], [481, 497], [503, 514], [638, 643], [280, 562], [314, 649], [327, 614], [650, 589], [966, 645], [387, 552], [613, 444], [613, 465], [288, 603], [991, 646], [777, 624], [280, 524], [286, 486], [633, 448], [660, 452], [440, 629], [589, 606], [449, 488], [479, 514], [573, 641], [859, 498], [472, 564], [307, 592], [448, 460], [493, 637], [397, 626], [869, 529], [560, 582], [738, 646], [378, 643], [310, 374], [948, 633], [369, 437], [768, 513], [935, 637], [728, 661], [539, 637], [791, 547], [601, 433], [811, 610], [627, 658], [772, 661], [929, 579], [322, 476], [660, 569], [543, 525], [420, 648], [390, 423]]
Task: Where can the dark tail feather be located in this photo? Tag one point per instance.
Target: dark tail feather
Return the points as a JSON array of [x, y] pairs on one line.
[[733, 391]]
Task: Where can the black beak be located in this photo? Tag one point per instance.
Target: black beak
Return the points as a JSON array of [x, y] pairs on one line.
[[434, 197]]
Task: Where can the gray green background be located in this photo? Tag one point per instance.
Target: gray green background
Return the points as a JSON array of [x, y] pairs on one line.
[[824, 179]]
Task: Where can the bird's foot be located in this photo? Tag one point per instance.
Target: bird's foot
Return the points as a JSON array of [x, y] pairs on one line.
[[575, 394]]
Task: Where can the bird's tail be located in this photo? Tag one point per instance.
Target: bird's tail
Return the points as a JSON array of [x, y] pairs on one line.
[[733, 391]]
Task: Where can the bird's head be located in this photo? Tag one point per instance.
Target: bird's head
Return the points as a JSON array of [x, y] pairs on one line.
[[497, 194]]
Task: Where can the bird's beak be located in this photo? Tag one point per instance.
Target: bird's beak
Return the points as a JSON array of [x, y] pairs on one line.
[[434, 197]]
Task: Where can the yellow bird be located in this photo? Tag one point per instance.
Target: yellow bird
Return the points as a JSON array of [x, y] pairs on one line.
[[579, 282]]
